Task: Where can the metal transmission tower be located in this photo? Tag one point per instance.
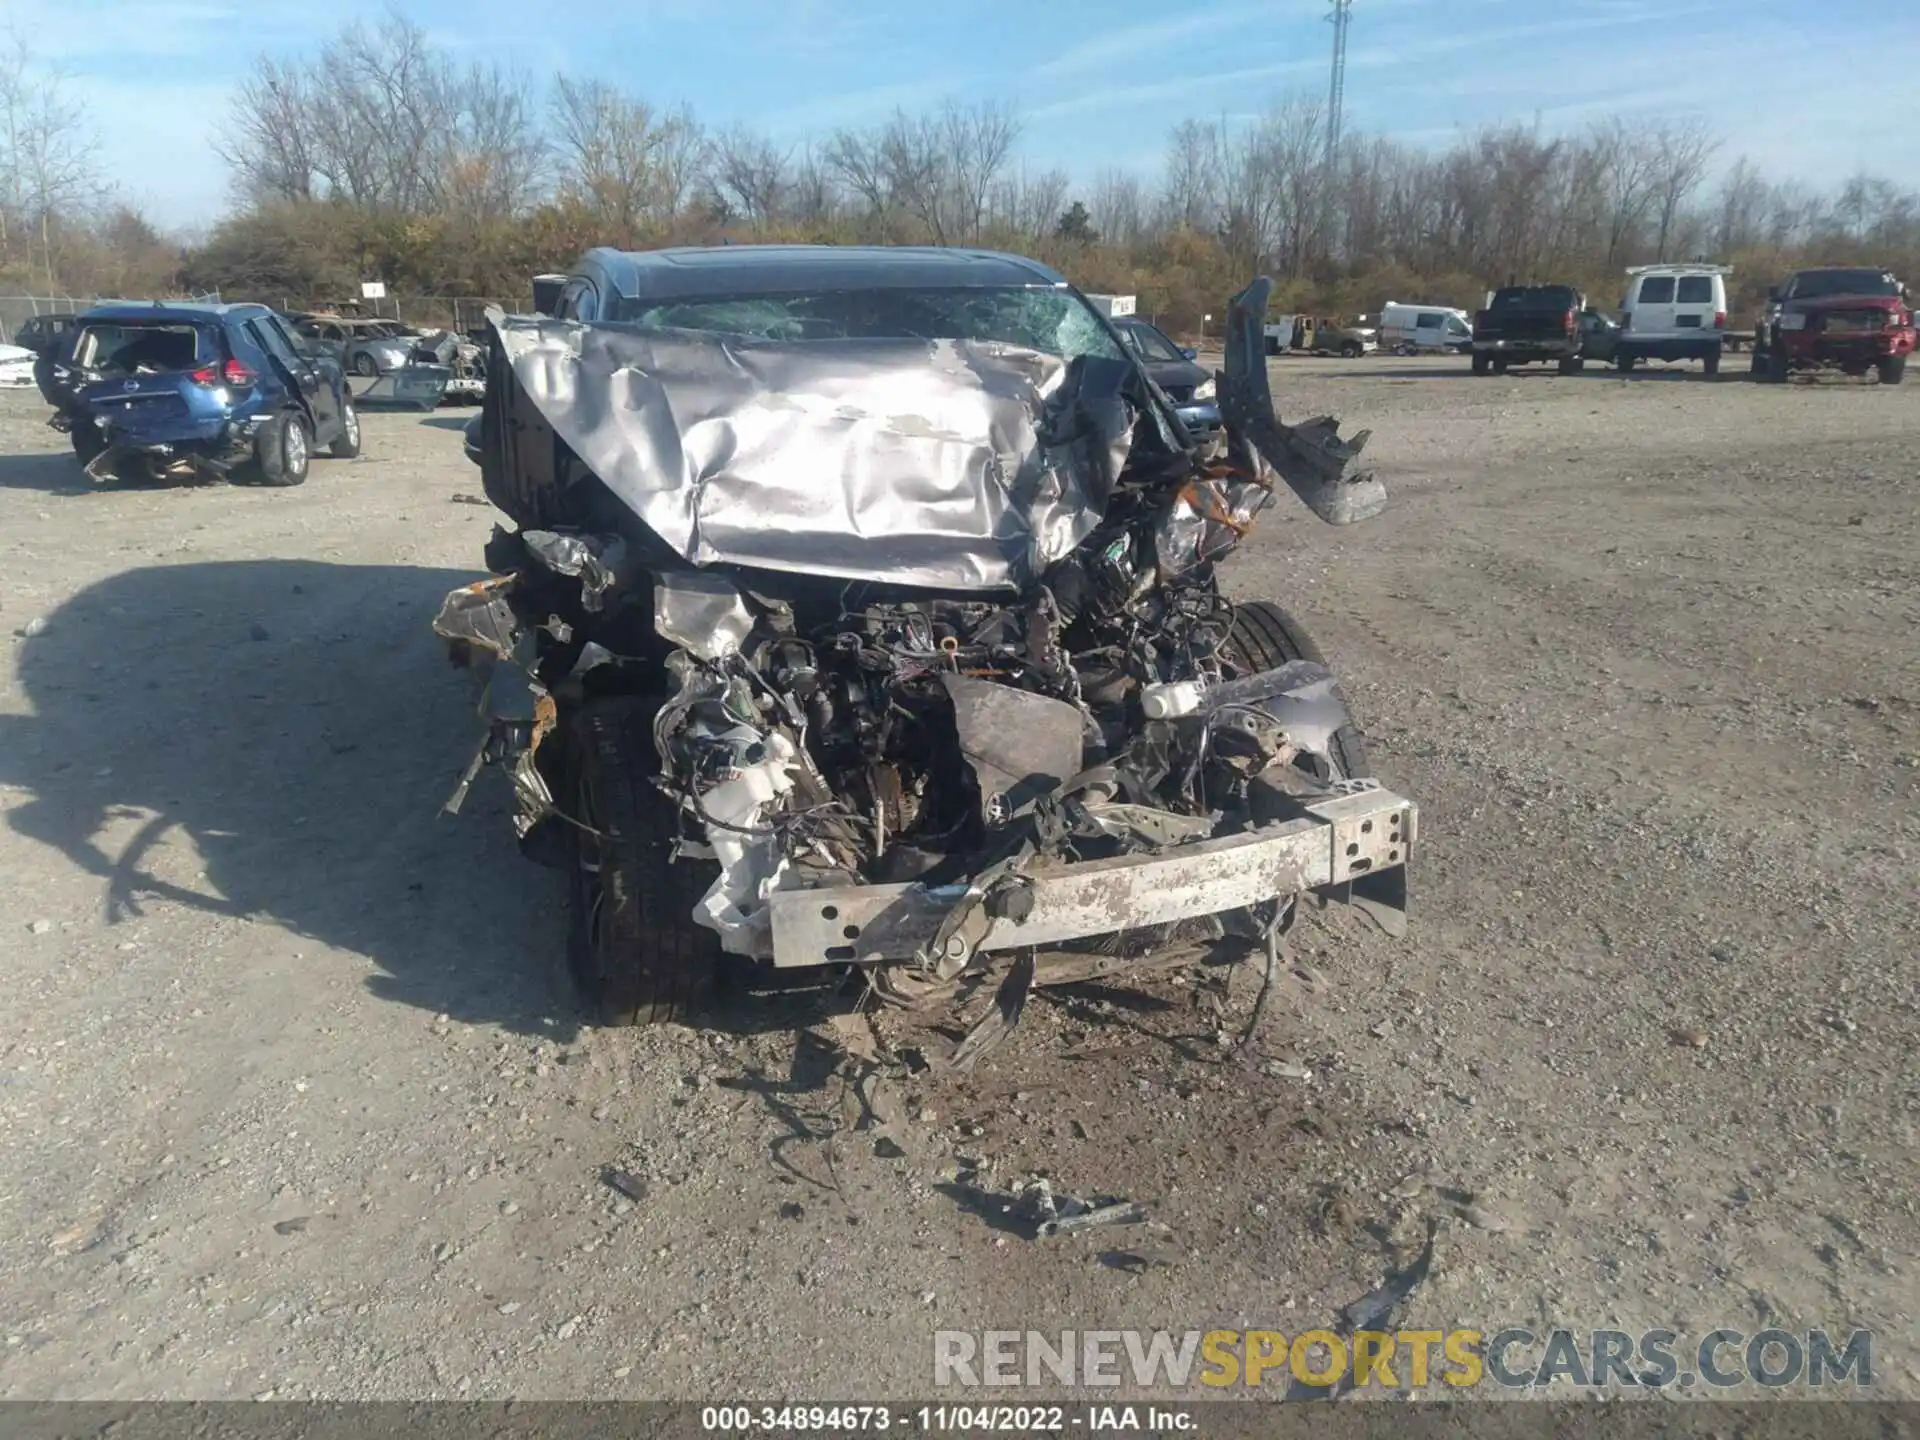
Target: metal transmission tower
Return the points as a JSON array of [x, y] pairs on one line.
[[1340, 15]]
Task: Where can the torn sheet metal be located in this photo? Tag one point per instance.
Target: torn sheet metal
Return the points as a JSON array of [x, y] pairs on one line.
[[703, 613], [593, 559], [1019, 745], [949, 464], [1310, 457], [480, 615]]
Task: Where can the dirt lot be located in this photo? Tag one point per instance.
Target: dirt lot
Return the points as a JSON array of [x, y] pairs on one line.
[[291, 1102]]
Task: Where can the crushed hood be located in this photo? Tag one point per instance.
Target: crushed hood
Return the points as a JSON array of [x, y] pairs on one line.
[[951, 465]]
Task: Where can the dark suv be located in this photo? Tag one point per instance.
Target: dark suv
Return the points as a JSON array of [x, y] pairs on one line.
[[177, 390], [42, 331]]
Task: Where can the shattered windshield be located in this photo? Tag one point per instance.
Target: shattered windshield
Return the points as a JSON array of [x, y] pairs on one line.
[[1056, 322], [1819, 284]]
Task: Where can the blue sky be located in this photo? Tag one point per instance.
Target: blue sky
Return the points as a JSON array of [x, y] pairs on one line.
[[1790, 82]]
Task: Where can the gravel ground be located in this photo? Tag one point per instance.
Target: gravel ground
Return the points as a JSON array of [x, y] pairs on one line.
[[292, 1103]]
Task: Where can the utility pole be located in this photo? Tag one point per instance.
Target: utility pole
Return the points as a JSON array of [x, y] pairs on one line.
[[1340, 15]]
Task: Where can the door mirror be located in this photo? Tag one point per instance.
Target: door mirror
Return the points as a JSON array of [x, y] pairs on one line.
[[1773, 295], [546, 293], [1187, 352]]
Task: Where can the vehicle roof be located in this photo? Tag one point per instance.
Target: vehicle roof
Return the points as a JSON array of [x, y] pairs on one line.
[[697, 270], [183, 310], [1679, 269]]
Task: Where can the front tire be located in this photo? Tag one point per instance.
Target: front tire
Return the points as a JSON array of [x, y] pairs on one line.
[[281, 450], [1892, 370], [1482, 364], [365, 365], [346, 444], [636, 955], [1265, 637]]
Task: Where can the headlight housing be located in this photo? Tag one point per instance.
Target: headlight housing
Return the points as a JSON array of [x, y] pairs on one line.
[[1204, 390]]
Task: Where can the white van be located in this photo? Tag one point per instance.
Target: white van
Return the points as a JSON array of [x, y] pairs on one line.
[[1673, 312], [1406, 329]]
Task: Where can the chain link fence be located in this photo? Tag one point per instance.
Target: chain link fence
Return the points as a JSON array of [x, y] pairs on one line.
[[459, 313], [16, 310]]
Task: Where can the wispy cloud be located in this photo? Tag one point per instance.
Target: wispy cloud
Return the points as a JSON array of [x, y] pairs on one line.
[[1215, 83], [1152, 38], [854, 107]]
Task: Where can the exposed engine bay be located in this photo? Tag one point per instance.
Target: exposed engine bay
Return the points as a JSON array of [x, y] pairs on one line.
[[1029, 725]]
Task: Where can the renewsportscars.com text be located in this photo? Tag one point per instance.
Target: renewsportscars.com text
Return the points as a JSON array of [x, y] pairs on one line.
[[1449, 1360]]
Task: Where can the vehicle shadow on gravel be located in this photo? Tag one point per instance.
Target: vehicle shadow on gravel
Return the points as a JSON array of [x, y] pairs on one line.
[[49, 474], [274, 739]]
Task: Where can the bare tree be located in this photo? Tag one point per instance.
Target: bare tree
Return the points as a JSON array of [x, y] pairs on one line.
[[608, 147], [975, 143], [1190, 188], [379, 118], [1028, 202], [749, 175], [1118, 207], [269, 142], [1628, 162], [1681, 151], [47, 152], [679, 162], [495, 156], [858, 162]]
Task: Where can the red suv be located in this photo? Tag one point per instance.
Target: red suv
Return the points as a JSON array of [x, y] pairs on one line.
[[1852, 319]]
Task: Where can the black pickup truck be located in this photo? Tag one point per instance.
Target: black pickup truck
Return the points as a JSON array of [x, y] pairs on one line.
[[1528, 323]]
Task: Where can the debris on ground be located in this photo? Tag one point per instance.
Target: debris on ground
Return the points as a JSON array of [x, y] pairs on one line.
[[1067, 1215], [624, 1182]]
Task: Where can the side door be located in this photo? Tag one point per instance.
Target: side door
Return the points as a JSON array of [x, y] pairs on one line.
[[1693, 304], [310, 380], [1429, 330], [1651, 307]]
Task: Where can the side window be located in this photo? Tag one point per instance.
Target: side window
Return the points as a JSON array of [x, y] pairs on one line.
[[269, 337], [1656, 290], [1150, 343], [578, 301], [1427, 322], [1695, 290]]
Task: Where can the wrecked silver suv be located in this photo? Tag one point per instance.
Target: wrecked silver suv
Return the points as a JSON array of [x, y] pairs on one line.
[[863, 613]]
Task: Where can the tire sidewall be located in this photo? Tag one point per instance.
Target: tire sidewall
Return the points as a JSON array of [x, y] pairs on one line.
[[346, 445]]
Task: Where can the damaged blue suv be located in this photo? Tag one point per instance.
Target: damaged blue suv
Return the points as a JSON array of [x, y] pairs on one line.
[[180, 391]]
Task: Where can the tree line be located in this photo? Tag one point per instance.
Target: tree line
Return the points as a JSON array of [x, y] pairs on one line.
[[379, 155]]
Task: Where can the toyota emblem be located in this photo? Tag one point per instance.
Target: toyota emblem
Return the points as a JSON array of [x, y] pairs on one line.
[[131, 385]]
